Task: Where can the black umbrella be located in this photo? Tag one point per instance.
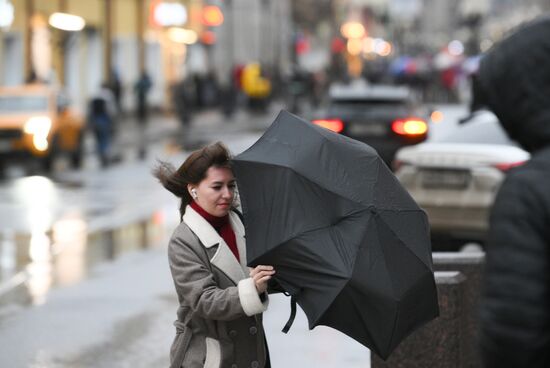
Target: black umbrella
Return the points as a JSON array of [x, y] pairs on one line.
[[347, 241]]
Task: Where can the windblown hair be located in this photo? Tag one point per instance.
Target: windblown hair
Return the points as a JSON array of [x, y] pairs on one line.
[[192, 171]]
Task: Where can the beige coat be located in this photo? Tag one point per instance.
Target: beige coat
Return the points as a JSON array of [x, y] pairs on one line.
[[219, 318]]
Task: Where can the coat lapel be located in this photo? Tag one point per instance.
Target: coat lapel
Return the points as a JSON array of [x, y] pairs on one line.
[[238, 228], [223, 259]]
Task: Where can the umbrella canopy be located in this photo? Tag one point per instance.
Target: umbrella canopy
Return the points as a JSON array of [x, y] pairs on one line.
[[347, 241]]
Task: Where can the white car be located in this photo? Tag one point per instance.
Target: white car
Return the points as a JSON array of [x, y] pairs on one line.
[[455, 179]]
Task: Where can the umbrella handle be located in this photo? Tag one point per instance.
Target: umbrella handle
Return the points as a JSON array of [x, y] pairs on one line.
[[292, 315]]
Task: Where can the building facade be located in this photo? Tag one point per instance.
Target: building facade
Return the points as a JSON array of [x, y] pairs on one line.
[[122, 38]]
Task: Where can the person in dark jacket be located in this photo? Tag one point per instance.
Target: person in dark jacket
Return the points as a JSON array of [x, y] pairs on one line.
[[515, 307], [101, 116], [142, 88]]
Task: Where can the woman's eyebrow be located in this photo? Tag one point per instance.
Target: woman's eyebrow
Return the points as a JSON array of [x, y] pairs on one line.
[[222, 182]]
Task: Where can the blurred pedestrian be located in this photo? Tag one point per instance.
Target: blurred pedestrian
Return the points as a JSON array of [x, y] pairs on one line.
[[142, 88], [209, 90], [298, 89], [116, 88], [184, 100], [515, 307], [228, 97], [101, 115], [220, 309]]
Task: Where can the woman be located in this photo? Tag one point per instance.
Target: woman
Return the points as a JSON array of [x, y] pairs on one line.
[[220, 314]]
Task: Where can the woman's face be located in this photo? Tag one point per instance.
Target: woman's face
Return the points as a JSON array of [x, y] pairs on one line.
[[216, 191]]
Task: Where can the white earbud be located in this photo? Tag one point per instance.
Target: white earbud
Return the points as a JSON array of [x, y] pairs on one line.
[[194, 193]]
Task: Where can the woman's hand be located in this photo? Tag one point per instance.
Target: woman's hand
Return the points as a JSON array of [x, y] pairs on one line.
[[261, 275]]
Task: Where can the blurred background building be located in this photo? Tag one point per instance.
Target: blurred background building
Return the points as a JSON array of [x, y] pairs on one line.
[[113, 41], [79, 44]]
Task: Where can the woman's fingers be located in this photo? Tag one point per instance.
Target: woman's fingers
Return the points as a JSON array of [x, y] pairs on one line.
[[259, 275], [260, 268], [264, 279], [261, 284]]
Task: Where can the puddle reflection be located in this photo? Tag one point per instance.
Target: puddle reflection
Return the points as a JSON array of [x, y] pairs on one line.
[[69, 239], [62, 256], [38, 195], [7, 254]]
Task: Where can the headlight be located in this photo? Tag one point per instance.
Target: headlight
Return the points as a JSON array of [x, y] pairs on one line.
[[38, 126]]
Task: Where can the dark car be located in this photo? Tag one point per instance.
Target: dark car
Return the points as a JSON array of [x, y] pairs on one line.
[[383, 116]]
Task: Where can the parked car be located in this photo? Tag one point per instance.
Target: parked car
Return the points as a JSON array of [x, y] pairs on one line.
[[383, 116], [36, 124], [455, 179]]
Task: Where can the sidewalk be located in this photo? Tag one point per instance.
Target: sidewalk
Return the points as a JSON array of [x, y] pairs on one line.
[[122, 317]]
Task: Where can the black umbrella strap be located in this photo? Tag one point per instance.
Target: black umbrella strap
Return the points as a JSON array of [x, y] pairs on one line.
[[292, 315]]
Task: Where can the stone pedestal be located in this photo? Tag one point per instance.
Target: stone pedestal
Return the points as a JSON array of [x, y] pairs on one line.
[[471, 266]]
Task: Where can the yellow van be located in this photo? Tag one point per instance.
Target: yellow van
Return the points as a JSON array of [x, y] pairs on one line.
[[36, 123]]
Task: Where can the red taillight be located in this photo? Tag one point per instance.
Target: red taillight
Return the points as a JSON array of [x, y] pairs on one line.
[[508, 165], [335, 125], [410, 127]]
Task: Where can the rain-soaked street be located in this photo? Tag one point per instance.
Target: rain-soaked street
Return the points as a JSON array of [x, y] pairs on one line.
[[97, 214], [84, 274], [69, 247]]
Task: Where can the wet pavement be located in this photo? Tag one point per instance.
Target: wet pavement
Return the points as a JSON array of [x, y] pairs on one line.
[[122, 314], [84, 279], [101, 212]]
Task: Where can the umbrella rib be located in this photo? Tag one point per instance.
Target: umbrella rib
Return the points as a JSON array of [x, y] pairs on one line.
[[397, 237], [294, 236], [358, 311], [396, 317], [321, 227]]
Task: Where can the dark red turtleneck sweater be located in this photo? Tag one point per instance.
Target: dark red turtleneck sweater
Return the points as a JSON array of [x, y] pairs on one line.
[[221, 225]]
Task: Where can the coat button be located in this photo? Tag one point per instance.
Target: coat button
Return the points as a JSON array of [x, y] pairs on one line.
[[253, 330], [254, 364], [232, 333]]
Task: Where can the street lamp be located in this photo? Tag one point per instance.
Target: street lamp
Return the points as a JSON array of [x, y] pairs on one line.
[[212, 16], [67, 22], [169, 14], [353, 30], [181, 35], [6, 14]]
